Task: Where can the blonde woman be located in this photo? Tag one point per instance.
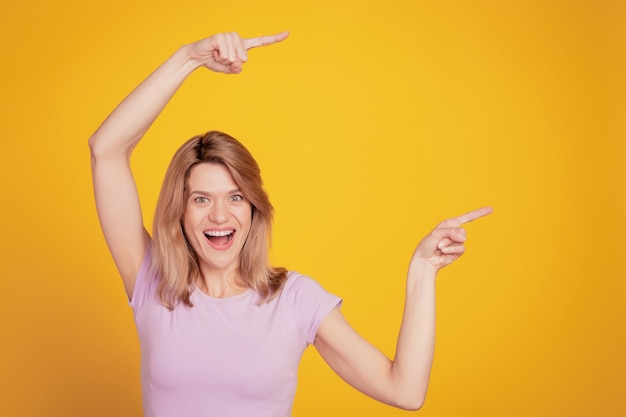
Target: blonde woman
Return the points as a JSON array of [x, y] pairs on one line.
[[221, 330]]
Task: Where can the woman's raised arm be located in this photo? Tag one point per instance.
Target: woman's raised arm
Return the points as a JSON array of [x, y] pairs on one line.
[[402, 382], [111, 145]]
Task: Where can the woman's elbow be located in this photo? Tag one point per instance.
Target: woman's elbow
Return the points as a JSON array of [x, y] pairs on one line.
[[93, 145], [100, 148], [411, 402]]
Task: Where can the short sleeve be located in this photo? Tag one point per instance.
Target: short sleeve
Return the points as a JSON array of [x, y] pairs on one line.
[[143, 284], [311, 303]]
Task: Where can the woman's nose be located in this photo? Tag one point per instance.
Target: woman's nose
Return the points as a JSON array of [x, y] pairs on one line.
[[217, 213]]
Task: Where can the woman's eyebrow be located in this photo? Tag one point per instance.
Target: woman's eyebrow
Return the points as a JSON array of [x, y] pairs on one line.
[[234, 191]]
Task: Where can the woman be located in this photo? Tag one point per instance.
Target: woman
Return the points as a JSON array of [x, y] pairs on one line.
[[222, 331]]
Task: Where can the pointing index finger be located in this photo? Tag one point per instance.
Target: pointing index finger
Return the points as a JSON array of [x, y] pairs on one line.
[[250, 43], [473, 215]]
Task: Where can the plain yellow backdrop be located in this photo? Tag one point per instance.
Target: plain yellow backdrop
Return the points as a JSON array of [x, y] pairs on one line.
[[371, 123]]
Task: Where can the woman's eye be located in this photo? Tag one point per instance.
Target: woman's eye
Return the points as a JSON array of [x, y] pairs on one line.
[[201, 199], [236, 198]]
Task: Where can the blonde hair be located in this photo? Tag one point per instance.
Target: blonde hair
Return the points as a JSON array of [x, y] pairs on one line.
[[174, 261]]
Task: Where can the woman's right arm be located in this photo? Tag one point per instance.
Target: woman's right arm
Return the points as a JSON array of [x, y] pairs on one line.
[[111, 145]]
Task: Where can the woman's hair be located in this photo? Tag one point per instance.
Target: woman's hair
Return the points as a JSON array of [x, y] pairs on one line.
[[174, 261]]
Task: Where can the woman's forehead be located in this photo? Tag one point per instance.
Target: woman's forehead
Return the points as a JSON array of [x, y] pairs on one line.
[[211, 176]]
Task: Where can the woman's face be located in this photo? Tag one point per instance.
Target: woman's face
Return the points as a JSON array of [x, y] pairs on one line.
[[217, 218]]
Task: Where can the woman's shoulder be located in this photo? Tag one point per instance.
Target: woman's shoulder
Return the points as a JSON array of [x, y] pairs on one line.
[[309, 302], [301, 285], [296, 280]]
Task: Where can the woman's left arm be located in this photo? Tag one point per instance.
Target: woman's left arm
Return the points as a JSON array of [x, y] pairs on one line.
[[402, 382]]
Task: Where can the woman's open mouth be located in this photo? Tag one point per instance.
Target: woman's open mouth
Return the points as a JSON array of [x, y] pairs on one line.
[[219, 237]]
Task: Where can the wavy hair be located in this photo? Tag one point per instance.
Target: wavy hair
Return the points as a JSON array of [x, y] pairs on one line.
[[174, 261]]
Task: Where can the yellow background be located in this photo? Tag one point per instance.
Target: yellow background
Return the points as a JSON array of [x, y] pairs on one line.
[[371, 123]]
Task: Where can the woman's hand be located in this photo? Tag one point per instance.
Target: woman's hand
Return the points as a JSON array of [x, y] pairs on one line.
[[445, 243], [227, 52]]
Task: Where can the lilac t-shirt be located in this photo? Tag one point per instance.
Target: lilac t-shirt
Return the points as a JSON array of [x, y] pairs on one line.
[[225, 356]]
